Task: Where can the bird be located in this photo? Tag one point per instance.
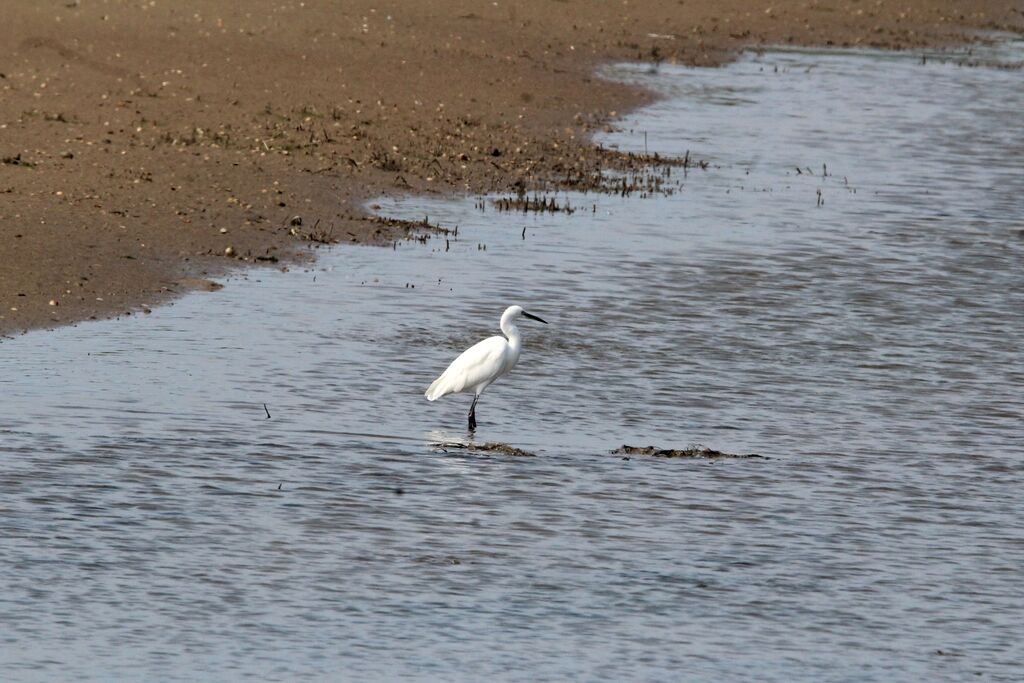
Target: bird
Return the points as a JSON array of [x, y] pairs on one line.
[[480, 365]]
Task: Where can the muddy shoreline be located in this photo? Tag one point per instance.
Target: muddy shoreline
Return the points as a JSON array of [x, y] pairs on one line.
[[147, 148]]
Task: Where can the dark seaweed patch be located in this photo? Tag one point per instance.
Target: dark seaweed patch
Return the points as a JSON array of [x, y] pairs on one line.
[[697, 451], [492, 447]]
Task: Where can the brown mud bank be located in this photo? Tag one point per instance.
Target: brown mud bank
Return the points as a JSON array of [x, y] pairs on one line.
[[149, 145]]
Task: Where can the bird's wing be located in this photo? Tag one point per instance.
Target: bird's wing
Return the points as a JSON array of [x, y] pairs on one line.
[[479, 363]]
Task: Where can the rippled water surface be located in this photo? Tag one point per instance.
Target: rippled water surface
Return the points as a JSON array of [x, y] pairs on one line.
[[157, 526]]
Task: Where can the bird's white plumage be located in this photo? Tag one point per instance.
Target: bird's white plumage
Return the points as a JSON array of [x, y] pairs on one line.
[[475, 368], [479, 365]]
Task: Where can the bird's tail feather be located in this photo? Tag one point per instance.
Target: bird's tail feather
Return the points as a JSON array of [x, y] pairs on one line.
[[437, 389]]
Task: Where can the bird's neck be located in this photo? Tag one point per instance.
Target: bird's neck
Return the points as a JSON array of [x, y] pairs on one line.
[[512, 332]]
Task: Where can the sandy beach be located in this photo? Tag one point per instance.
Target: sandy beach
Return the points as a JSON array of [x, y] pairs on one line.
[[149, 146]]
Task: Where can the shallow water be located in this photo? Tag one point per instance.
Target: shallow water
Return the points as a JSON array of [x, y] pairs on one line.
[[158, 526]]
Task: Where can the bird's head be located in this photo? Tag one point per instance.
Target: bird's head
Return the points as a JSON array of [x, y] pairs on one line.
[[513, 313]]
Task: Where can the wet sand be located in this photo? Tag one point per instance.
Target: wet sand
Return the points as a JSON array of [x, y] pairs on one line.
[[148, 146]]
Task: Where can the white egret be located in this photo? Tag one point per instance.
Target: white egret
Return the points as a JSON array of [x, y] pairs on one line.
[[479, 365]]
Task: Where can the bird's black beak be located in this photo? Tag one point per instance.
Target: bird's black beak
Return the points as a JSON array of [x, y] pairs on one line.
[[533, 317]]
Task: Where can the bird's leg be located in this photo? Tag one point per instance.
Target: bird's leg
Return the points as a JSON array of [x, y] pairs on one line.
[[472, 414]]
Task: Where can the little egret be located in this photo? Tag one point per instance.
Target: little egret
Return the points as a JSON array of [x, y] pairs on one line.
[[482, 363]]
